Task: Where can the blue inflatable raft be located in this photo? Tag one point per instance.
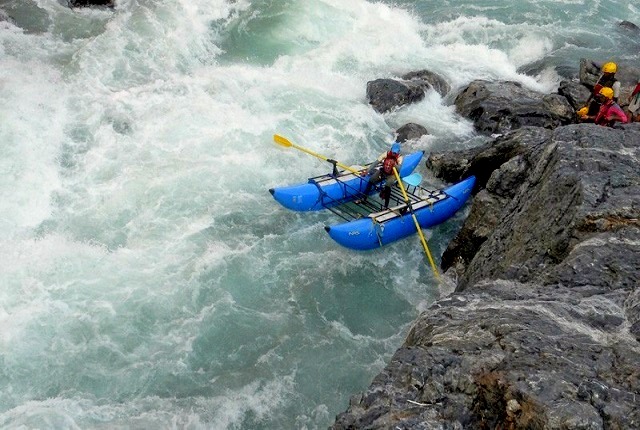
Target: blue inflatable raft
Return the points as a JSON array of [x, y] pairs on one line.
[[330, 190], [386, 226]]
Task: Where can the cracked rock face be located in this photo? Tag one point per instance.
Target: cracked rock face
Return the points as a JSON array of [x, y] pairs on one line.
[[543, 330]]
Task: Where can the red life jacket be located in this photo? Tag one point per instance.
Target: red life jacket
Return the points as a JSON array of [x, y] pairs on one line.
[[390, 162]]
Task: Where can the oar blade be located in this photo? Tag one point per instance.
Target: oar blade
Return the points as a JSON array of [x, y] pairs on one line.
[[281, 140]]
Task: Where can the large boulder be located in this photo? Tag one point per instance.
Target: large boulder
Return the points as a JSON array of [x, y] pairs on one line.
[[481, 161], [583, 180], [500, 168], [499, 107], [387, 94], [543, 330]]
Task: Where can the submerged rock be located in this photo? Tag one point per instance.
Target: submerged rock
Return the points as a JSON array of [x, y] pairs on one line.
[[410, 131], [543, 330], [628, 25]]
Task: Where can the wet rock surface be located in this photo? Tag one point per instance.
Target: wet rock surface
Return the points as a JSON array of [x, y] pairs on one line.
[[543, 330], [500, 107], [386, 94], [410, 131]]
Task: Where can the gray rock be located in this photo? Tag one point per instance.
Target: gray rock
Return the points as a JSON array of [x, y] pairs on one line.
[[589, 72], [575, 93], [387, 94], [410, 131], [584, 180], [482, 161], [482, 220], [499, 107], [428, 79], [543, 330]]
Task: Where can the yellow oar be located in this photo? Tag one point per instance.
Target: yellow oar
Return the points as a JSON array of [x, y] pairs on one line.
[[415, 220], [280, 140]]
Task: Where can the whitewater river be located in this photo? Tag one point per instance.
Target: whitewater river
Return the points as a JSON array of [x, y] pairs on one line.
[[147, 277]]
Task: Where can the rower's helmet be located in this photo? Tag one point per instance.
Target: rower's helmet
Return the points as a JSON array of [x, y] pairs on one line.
[[607, 92], [395, 148], [609, 68]]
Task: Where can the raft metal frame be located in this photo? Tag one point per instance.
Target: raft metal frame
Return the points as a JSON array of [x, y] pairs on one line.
[[372, 206]]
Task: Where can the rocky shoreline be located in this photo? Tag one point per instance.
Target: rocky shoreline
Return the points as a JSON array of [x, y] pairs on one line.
[[543, 328]]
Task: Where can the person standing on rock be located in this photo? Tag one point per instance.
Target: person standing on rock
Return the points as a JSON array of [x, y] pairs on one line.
[[607, 79], [609, 112], [634, 104], [382, 169]]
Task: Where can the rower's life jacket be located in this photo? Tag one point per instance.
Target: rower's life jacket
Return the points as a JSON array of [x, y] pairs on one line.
[[604, 81], [390, 162]]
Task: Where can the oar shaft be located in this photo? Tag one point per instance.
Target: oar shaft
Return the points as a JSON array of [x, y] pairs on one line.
[[286, 142], [308, 151], [418, 228]]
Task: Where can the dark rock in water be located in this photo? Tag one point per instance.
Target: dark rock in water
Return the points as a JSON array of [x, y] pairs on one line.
[[410, 131], [387, 94], [629, 26], [427, 79], [499, 107], [86, 3], [543, 330], [576, 93]]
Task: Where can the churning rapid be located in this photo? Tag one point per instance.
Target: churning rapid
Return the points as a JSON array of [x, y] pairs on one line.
[[147, 277]]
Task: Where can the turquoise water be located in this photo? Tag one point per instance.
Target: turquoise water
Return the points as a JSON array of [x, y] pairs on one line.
[[148, 278]]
